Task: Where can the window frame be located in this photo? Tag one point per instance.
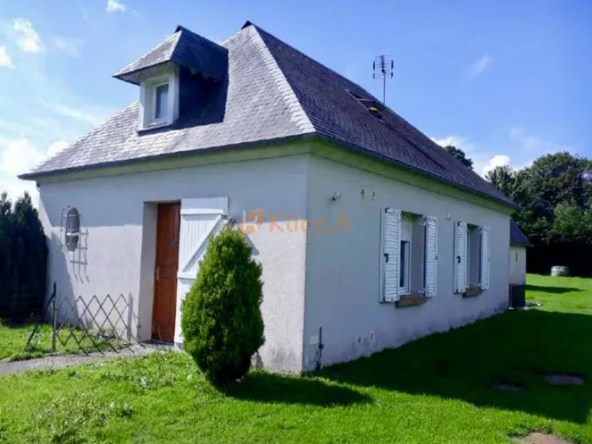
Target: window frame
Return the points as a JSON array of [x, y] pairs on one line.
[[154, 118], [405, 267]]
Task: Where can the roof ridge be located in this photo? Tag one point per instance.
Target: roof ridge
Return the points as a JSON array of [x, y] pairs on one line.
[[298, 115], [259, 29]]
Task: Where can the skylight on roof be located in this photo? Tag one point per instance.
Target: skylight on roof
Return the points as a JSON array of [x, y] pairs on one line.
[[372, 105]]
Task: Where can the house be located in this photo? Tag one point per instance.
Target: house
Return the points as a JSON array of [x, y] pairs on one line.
[[518, 244], [369, 234]]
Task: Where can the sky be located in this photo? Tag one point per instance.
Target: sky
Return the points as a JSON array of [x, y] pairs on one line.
[[506, 81]]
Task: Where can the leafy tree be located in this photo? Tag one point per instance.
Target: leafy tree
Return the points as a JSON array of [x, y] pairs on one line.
[[221, 317], [503, 178], [459, 155]]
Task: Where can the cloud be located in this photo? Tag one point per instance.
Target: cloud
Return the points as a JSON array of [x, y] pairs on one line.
[[495, 161], [115, 6], [481, 65], [67, 45], [521, 150], [56, 147], [18, 156], [28, 39], [5, 59]]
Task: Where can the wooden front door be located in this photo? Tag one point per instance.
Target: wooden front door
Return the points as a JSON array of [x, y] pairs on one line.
[[165, 273]]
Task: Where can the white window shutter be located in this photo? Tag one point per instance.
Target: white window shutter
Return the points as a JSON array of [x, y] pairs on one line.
[[200, 218], [460, 257], [485, 258], [391, 245], [431, 250]]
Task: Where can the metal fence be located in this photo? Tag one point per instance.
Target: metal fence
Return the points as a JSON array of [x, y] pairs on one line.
[[94, 324]]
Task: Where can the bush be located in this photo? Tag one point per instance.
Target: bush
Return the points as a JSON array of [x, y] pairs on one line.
[[23, 259], [221, 317]]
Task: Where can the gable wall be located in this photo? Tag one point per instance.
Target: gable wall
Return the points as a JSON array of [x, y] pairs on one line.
[[343, 268], [118, 216]]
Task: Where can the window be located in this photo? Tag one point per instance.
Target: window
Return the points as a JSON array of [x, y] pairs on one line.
[[409, 255], [471, 261], [161, 101], [72, 229], [404, 268]]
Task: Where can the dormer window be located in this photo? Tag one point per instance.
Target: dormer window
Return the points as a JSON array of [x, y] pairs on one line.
[[161, 100], [183, 57]]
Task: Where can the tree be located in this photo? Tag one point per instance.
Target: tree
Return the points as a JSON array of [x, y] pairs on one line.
[[221, 316], [459, 155], [23, 259], [503, 178], [554, 197]]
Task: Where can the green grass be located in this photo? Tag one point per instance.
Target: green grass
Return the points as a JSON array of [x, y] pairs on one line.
[[433, 390], [14, 338]]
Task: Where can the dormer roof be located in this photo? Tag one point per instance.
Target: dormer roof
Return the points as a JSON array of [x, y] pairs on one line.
[[183, 48]]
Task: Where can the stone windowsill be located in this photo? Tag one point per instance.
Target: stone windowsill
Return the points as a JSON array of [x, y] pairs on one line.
[[411, 300], [472, 292]]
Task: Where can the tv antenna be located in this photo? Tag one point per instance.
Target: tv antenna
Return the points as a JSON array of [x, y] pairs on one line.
[[383, 69]]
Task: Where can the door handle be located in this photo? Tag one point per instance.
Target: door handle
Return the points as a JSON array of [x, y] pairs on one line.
[[157, 273], [386, 257]]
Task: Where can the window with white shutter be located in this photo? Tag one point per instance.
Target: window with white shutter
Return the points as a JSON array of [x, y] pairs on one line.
[[460, 257], [390, 255], [485, 258], [431, 256], [200, 218]]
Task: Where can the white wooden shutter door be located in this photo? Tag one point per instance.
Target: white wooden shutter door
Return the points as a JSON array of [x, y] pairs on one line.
[[391, 254], [485, 258], [460, 257], [431, 271], [200, 218]]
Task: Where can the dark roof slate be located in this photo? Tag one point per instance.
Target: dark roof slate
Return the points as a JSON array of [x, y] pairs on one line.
[[272, 91], [184, 48], [517, 237]]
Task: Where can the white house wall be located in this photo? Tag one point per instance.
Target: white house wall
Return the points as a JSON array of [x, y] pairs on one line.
[[518, 265], [342, 268], [118, 222]]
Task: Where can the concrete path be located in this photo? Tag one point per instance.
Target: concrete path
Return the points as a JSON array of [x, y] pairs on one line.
[[61, 361]]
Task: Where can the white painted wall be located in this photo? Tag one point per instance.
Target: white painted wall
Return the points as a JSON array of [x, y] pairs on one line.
[[342, 268], [518, 264], [118, 219]]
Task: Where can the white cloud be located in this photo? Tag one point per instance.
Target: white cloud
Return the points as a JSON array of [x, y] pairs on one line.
[[18, 156], [5, 59], [115, 6], [495, 161], [56, 147], [481, 65], [28, 39], [523, 146], [67, 45]]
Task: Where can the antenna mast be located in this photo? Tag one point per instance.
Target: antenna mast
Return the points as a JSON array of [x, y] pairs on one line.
[[383, 68]]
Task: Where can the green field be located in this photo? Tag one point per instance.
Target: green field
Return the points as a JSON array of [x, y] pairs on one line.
[[434, 390]]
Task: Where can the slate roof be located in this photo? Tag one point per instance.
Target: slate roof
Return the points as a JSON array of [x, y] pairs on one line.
[[271, 92], [183, 48], [517, 237]]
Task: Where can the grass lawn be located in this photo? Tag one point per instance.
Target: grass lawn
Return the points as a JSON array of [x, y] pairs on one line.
[[434, 390], [14, 338]]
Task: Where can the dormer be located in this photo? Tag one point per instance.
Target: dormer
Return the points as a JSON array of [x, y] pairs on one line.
[[181, 66]]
